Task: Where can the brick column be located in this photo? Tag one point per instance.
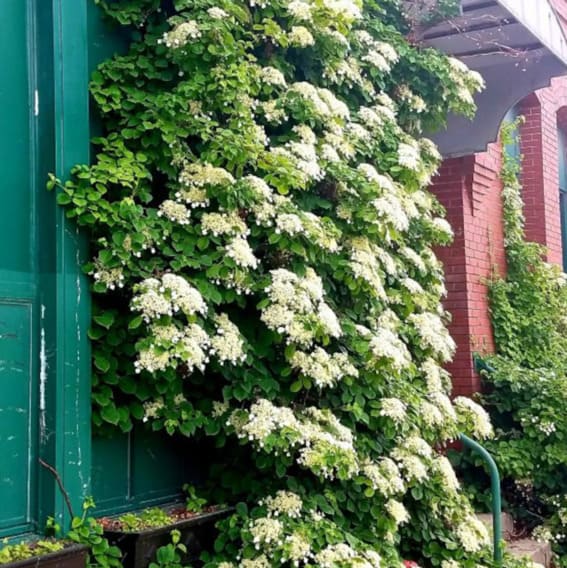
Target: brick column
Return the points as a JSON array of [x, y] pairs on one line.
[[540, 169], [470, 189]]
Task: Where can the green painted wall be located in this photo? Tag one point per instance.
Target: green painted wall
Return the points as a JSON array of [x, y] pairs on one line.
[[45, 364], [19, 271]]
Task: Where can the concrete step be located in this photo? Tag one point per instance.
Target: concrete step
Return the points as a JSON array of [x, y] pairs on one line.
[[539, 552], [507, 524]]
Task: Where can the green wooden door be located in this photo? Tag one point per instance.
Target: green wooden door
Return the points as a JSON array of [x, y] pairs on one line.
[[19, 309]]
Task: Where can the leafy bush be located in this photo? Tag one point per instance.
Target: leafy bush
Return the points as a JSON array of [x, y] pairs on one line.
[[25, 550], [526, 393], [264, 272]]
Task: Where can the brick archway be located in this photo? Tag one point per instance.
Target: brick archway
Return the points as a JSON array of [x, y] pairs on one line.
[[544, 110]]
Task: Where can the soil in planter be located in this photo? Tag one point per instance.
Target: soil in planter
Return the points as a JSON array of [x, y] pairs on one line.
[[139, 545], [70, 556]]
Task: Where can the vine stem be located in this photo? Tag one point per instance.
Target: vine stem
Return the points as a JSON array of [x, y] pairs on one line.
[[57, 477]]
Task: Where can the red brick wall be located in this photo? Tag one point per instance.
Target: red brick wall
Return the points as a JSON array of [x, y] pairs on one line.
[[540, 165], [470, 189]]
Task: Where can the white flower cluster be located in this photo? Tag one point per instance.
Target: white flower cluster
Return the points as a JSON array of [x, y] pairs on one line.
[[217, 13], [171, 347], [240, 251], [175, 212], [266, 531], [227, 345], [300, 36], [344, 555], [472, 534], [322, 102], [218, 224], [466, 79], [409, 156], [285, 503], [195, 178], [272, 76], [397, 511], [434, 334], [447, 474], [365, 265], [325, 445], [415, 102], [325, 369], [297, 308], [296, 549], [474, 417], [182, 34], [384, 477], [167, 296], [386, 344], [152, 409], [394, 409], [111, 277]]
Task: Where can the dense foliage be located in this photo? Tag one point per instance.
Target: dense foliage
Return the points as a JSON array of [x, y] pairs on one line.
[[526, 393], [264, 275]]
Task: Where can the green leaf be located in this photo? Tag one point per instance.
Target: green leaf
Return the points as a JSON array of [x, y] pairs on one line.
[[106, 319]]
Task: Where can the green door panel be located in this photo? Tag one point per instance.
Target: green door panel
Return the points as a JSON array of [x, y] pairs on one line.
[[19, 382], [17, 420], [16, 211]]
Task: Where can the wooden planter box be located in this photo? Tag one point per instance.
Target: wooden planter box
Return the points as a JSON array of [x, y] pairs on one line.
[[72, 556], [139, 548]]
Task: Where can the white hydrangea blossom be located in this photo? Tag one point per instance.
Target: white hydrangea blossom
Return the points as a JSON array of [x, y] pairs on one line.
[[434, 334], [297, 305], [384, 476], [472, 534], [182, 34], [272, 76], [217, 13], [204, 174], [447, 473], [265, 531], [284, 503], [394, 409], [300, 36], [475, 415], [317, 435], [296, 549], [176, 212], [344, 555], [155, 298], [325, 369], [218, 224], [409, 156], [227, 345], [300, 10], [397, 511], [240, 251], [386, 344]]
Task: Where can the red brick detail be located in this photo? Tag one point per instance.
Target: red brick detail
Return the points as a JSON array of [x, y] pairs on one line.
[[470, 190], [540, 165]]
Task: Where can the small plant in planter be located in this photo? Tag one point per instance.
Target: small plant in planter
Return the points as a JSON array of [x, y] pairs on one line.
[[46, 553], [143, 534]]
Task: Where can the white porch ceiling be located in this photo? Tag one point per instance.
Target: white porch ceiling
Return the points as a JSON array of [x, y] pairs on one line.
[[517, 45]]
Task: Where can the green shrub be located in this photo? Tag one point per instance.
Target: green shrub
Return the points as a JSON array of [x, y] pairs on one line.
[[264, 272]]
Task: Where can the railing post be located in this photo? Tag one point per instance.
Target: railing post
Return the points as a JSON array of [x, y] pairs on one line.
[[496, 498]]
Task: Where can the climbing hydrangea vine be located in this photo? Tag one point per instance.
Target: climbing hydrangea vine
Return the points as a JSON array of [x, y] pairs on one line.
[[264, 272]]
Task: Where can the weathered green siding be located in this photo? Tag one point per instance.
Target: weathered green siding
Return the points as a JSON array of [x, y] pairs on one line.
[[19, 274]]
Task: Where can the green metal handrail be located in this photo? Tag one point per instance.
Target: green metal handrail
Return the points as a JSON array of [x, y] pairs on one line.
[[496, 498]]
